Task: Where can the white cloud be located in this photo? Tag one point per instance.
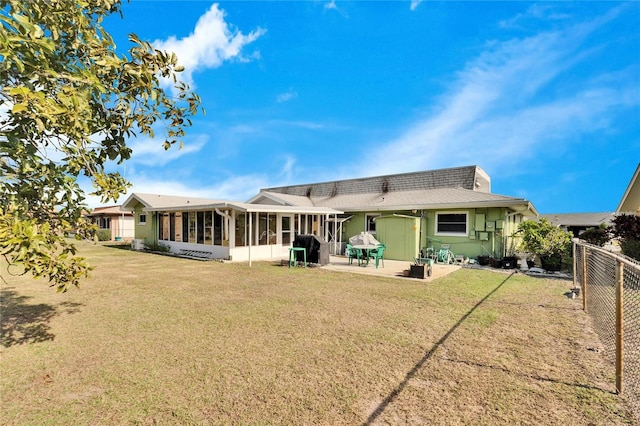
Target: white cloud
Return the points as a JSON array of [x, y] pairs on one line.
[[148, 151], [415, 4], [331, 5], [287, 96], [535, 12], [212, 42], [234, 188], [493, 113]]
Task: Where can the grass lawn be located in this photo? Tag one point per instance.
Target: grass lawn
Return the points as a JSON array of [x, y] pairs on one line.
[[152, 339]]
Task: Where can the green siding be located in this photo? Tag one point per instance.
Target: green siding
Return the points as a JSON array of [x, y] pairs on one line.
[[144, 232], [400, 234]]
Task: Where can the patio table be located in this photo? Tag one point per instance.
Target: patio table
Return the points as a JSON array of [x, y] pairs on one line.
[[364, 248]]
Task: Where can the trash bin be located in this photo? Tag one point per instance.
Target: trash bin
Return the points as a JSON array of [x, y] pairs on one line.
[[317, 249]]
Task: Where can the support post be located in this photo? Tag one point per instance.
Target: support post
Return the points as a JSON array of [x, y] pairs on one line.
[[584, 278], [575, 264], [619, 326]]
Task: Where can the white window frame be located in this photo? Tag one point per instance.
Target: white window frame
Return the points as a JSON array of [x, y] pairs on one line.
[[452, 234], [367, 218], [142, 216]]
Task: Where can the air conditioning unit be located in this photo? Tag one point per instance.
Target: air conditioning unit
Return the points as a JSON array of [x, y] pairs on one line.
[[137, 244]]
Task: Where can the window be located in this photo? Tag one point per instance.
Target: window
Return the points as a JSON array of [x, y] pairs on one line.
[[208, 228], [217, 229], [452, 223], [286, 230], [241, 236], [200, 228], [192, 227], [262, 229], [163, 225], [185, 227], [142, 219], [272, 228], [370, 225], [172, 227]]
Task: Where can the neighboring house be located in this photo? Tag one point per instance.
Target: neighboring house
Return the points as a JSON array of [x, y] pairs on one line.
[[577, 223], [223, 229], [412, 211], [630, 202], [120, 223]]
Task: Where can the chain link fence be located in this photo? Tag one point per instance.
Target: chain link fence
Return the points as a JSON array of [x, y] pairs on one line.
[[610, 284]]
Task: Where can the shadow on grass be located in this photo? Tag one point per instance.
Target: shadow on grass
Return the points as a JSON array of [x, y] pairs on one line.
[[121, 246], [22, 323], [394, 393], [529, 376]]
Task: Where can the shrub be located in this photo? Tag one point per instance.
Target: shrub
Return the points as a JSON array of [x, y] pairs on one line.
[[158, 247], [103, 234], [543, 238], [597, 236], [627, 229]]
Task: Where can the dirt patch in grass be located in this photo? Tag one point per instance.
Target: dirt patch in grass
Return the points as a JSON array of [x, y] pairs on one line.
[[154, 339]]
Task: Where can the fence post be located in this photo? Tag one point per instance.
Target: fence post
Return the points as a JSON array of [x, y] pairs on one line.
[[584, 278], [619, 326], [575, 264]]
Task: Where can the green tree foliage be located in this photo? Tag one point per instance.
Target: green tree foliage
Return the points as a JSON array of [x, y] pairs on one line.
[[68, 104], [598, 236], [627, 229], [545, 240]]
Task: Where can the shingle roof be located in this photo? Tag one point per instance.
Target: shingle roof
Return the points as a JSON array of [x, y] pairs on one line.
[[462, 187], [106, 210], [579, 219], [407, 200], [468, 177], [157, 201]]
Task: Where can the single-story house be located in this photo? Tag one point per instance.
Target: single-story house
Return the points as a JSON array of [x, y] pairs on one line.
[[223, 229], [411, 212], [119, 222], [630, 202], [577, 223], [408, 212]]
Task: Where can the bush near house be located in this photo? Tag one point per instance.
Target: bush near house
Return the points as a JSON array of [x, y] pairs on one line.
[[598, 236], [103, 234], [627, 229], [546, 241]]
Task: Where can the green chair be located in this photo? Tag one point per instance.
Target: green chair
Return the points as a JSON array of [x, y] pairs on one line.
[[378, 254], [353, 253]]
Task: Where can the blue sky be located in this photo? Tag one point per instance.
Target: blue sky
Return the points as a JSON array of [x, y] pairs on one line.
[[543, 96]]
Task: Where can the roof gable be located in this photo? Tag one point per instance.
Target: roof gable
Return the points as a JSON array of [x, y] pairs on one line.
[[107, 210], [630, 201], [157, 201]]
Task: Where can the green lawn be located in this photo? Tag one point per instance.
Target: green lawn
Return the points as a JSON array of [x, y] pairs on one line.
[[152, 339]]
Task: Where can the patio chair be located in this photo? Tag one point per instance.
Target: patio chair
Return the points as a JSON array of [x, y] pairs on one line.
[[353, 253], [378, 254]]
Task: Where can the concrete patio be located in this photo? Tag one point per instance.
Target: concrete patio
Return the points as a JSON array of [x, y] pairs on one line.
[[392, 268]]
